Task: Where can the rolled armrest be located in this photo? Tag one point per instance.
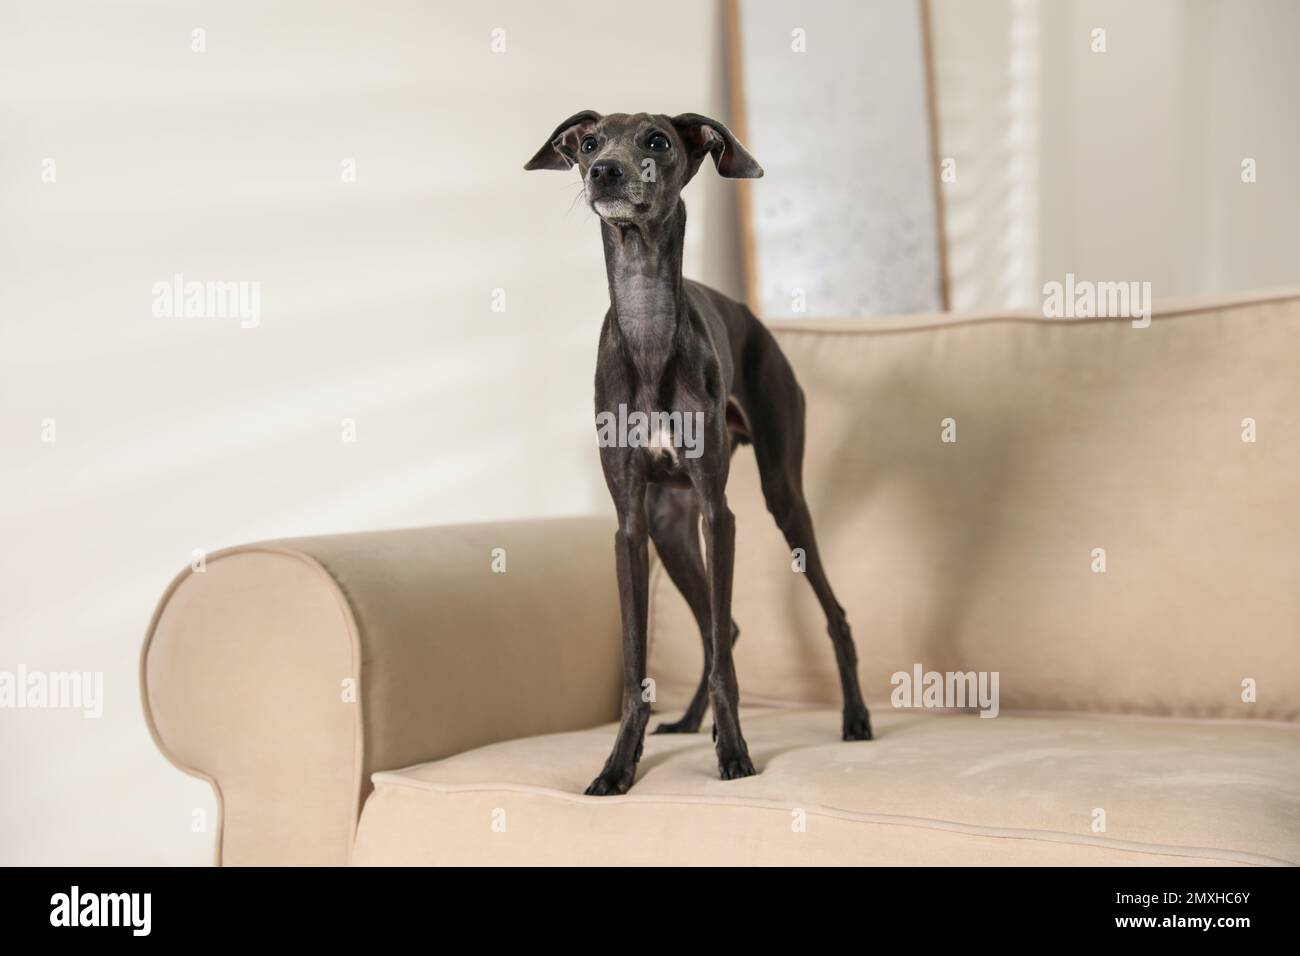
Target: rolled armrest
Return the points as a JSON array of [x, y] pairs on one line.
[[286, 673]]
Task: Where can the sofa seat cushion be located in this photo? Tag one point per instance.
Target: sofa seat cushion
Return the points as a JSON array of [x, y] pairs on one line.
[[933, 789]]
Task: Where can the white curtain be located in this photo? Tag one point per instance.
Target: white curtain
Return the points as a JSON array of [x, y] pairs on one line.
[[1107, 138]]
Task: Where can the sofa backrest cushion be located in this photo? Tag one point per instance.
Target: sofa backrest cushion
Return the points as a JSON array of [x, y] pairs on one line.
[[1077, 441]]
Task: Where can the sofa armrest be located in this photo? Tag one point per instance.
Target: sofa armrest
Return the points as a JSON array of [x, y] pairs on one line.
[[286, 673]]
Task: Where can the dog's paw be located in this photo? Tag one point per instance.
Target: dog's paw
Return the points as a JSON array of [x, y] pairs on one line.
[[611, 783], [735, 767], [682, 726], [857, 725]]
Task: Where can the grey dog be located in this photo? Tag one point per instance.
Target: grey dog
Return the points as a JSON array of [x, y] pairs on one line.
[[670, 345]]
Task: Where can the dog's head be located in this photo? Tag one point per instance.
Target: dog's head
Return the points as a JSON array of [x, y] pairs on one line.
[[634, 165]]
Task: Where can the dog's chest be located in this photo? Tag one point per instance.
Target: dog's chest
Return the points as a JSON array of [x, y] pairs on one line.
[[647, 322]]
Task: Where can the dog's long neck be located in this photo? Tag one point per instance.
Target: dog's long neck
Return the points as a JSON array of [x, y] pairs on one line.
[[644, 268]]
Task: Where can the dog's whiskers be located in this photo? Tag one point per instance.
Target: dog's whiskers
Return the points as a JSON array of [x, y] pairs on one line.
[[581, 194]]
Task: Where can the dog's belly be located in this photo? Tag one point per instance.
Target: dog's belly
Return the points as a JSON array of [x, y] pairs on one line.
[[664, 460], [665, 468]]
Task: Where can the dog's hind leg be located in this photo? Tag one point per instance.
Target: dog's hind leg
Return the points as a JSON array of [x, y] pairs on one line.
[[674, 517], [776, 414]]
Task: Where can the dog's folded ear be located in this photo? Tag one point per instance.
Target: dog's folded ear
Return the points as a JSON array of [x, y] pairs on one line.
[[707, 136], [560, 151]]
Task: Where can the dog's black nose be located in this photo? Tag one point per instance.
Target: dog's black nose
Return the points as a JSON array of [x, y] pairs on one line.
[[607, 168]]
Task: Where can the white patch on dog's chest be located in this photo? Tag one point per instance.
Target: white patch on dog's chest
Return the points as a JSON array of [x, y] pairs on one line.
[[662, 440]]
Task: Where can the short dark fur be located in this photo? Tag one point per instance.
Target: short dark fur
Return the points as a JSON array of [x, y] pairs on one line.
[[672, 345]]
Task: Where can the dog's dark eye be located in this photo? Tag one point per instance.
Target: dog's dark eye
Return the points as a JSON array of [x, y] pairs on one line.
[[657, 143], [588, 144]]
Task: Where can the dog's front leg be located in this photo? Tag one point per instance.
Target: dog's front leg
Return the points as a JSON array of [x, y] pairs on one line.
[[633, 567], [724, 691]]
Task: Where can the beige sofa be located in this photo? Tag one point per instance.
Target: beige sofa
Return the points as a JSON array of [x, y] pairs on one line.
[[1102, 536]]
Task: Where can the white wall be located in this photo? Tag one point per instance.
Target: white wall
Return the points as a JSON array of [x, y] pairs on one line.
[[1122, 165], [182, 434]]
